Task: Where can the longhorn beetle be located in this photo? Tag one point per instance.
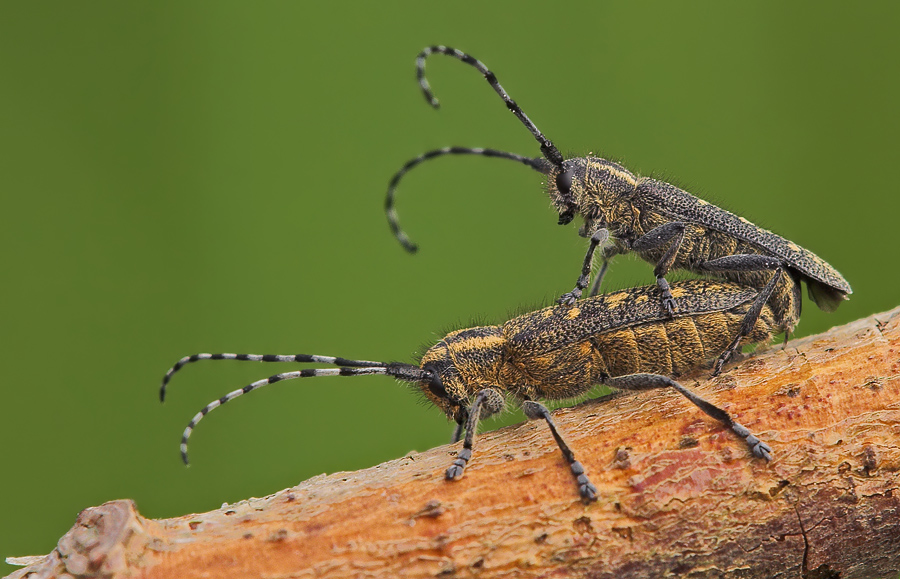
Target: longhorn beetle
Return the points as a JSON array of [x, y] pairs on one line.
[[662, 223], [623, 340]]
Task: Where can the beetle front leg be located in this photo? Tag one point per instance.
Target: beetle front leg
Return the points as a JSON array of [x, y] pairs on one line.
[[598, 238], [491, 402], [457, 433], [669, 233]]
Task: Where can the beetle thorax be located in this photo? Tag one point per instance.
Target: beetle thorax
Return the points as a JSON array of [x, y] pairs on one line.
[[602, 189]]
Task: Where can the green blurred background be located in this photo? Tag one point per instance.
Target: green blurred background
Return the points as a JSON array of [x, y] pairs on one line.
[[182, 177]]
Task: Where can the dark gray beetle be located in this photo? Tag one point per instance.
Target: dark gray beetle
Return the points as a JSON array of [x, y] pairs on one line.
[[663, 224]]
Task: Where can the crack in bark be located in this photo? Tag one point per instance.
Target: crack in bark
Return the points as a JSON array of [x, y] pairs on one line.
[[804, 568], [823, 571]]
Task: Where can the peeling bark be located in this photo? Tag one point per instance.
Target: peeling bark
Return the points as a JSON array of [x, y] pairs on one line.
[[681, 497]]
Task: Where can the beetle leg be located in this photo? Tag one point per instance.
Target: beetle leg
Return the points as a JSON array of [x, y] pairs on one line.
[[598, 238], [652, 381], [606, 254], [598, 279], [671, 234], [491, 402], [750, 262], [537, 411], [457, 433]]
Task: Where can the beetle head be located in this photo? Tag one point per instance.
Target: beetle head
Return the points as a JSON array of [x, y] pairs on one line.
[[460, 365]]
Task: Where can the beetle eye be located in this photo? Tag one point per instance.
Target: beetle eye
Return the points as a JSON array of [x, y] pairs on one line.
[[564, 181], [437, 389], [435, 385]]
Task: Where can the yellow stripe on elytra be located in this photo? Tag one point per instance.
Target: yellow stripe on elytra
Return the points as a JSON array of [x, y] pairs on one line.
[[678, 292], [617, 299]]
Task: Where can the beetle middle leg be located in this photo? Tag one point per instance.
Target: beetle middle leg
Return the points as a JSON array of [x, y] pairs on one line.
[[669, 233], [537, 411]]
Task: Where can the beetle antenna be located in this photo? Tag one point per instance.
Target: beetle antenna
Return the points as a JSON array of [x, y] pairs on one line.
[[303, 358], [405, 372], [538, 164], [548, 149]]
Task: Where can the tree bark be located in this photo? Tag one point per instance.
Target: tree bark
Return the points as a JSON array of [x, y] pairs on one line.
[[679, 494]]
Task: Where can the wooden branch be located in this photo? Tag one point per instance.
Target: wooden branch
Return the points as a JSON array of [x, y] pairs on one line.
[[680, 497]]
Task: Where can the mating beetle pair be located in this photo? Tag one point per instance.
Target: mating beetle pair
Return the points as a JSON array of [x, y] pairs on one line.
[[634, 339]]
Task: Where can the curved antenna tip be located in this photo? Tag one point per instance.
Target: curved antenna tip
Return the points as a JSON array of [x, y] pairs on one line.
[[162, 394]]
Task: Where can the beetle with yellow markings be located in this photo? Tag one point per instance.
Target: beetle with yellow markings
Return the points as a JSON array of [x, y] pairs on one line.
[[623, 340]]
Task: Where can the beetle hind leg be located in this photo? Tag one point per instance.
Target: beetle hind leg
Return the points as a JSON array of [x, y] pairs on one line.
[[746, 263], [652, 381]]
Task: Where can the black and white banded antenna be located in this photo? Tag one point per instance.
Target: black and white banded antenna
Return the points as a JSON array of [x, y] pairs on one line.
[[393, 220], [551, 155], [347, 367], [548, 149]]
